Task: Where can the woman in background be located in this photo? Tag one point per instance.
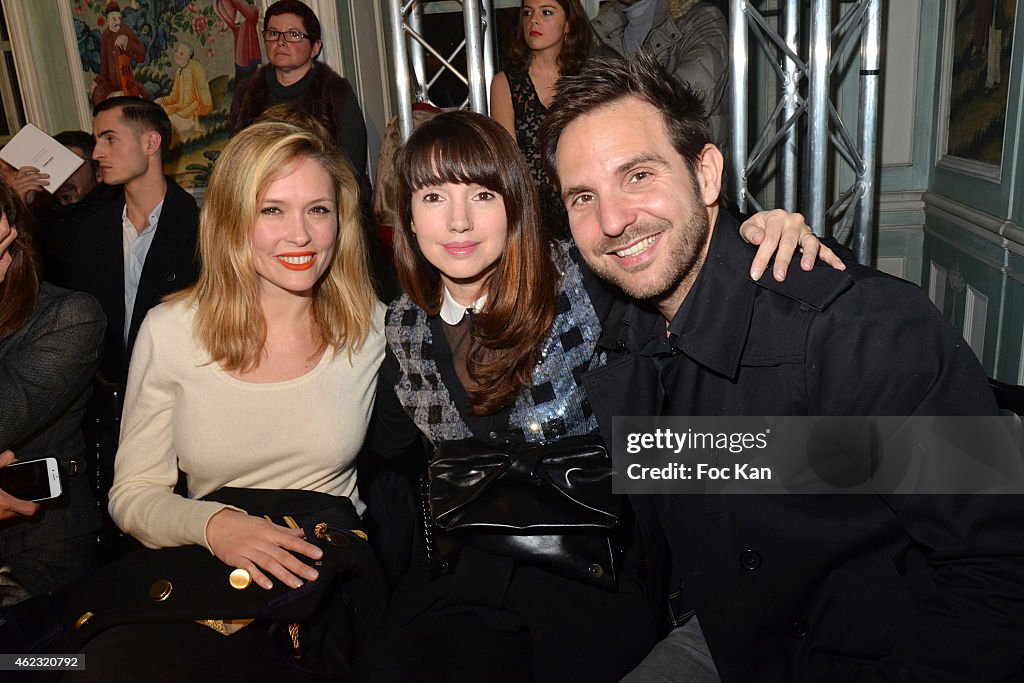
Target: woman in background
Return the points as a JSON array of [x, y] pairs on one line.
[[294, 76], [553, 39], [50, 346]]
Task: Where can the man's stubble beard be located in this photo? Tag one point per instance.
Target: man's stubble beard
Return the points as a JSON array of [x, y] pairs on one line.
[[684, 258]]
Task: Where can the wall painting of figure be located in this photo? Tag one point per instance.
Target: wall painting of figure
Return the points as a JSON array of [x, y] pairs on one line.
[[189, 56]]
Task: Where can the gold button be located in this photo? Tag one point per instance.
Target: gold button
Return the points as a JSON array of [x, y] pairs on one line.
[[160, 590], [239, 579], [320, 531], [83, 620]]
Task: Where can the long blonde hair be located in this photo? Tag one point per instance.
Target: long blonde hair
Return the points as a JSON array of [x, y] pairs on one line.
[[229, 321]]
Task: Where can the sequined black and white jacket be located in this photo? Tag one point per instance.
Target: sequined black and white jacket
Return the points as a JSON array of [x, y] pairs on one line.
[[419, 372]]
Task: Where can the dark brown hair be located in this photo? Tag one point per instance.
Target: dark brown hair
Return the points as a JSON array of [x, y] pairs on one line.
[[84, 141], [20, 288], [310, 22], [300, 118], [574, 49], [604, 80], [142, 116], [463, 147]]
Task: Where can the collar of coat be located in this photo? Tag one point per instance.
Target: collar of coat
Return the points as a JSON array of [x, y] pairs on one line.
[[713, 324], [677, 8]]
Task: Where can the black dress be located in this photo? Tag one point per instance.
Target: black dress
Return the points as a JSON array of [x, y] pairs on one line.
[[529, 113], [490, 620]]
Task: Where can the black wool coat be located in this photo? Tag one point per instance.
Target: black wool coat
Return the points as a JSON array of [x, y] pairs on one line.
[[171, 264], [820, 588]]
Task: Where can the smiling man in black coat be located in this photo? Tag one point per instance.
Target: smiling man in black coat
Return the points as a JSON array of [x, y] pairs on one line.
[[786, 587]]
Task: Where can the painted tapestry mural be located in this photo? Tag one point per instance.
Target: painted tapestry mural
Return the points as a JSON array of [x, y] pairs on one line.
[[982, 42], [186, 55]]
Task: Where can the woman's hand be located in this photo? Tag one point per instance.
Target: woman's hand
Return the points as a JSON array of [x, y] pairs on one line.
[[252, 543], [28, 181], [783, 232], [7, 237], [9, 505]]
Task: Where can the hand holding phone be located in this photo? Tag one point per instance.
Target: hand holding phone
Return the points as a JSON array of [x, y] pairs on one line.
[[36, 470]]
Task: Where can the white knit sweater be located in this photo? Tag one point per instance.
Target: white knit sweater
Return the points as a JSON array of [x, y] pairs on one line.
[[182, 411]]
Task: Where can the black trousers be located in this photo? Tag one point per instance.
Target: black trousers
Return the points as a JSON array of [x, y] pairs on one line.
[[489, 621]]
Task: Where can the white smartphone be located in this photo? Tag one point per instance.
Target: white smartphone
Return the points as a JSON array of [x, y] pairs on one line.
[[32, 480]]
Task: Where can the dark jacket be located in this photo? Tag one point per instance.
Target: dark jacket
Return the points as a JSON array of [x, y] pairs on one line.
[[46, 370], [821, 588], [171, 264], [322, 93], [57, 229]]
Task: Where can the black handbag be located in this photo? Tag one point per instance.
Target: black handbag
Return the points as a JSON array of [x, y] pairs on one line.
[[546, 505], [318, 627]]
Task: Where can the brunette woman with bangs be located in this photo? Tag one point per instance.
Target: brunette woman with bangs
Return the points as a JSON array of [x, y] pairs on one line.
[[497, 354], [50, 347], [553, 39], [495, 326]]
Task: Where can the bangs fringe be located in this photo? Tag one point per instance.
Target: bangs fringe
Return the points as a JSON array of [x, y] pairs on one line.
[[463, 160]]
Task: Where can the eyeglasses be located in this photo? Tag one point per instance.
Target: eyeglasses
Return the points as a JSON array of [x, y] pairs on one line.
[[271, 36]]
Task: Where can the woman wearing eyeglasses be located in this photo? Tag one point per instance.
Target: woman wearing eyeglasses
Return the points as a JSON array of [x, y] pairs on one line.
[[291, 34]]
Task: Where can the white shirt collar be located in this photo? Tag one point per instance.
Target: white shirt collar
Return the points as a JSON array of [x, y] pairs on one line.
[[452, 311], [151, 223]]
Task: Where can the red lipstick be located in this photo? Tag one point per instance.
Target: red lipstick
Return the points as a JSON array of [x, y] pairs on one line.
[[303, 265]]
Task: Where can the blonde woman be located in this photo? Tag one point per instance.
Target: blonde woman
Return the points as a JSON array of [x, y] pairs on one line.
[[261, 375]]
